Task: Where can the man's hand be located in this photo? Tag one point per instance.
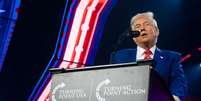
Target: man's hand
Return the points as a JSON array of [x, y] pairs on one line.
[[176, 98]]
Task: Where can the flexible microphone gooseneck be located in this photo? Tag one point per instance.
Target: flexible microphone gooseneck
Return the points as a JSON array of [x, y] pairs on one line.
[[126, 34]]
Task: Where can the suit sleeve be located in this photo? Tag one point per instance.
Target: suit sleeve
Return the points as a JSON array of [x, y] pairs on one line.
[[123, 56], [118, 57], [178, 85]]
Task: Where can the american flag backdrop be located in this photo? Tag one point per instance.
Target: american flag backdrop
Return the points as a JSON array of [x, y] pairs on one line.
[[80, 33]]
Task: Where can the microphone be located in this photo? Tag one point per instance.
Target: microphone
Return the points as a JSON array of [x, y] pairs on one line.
[[134, 34], [126, 34]]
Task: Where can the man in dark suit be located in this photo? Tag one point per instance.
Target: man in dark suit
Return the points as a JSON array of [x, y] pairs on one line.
[[167, 62]]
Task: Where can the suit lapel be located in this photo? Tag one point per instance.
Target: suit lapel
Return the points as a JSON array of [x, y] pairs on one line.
[[159, 57], [157, 54]]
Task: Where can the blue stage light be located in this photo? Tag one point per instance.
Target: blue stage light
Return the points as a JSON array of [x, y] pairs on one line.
[[2, 11]]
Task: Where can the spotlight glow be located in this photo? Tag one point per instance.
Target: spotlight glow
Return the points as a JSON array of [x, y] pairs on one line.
[[1, 11]]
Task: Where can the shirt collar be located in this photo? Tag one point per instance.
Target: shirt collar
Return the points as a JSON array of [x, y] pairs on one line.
[[140, 52], [152, 49]]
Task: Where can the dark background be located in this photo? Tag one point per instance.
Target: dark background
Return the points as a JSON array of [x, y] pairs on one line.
[[31, 47], [179, 23], [37, 28]]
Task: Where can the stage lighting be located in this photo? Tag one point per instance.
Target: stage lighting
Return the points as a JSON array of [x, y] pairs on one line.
[[1, 11]]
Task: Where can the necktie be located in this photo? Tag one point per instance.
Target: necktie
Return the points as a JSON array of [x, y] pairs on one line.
[[147, 54]]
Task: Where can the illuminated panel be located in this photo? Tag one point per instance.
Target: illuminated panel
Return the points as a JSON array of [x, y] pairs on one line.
[[45, 95], [74, 32], [81, 40], [98, 31], [8, 16], [89, 25], [199, 49], [78, 52], [194, 53], [186, 57], [84, 28], [64, 32], [84, 57]]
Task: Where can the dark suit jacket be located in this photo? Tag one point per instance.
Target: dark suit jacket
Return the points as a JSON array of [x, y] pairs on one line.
[[167, 65]]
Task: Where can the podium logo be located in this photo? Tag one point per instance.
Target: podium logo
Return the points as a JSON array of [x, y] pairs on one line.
[[62, 92], [105, 82], [117, 90], [59, 86]]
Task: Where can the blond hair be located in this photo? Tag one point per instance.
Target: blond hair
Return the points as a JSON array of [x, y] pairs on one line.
[[149, 15]]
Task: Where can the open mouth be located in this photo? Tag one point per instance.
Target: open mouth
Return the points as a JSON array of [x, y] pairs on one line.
[[143, 34]]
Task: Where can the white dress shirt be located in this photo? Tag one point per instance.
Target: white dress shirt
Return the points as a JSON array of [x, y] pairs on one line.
[[140, 52]]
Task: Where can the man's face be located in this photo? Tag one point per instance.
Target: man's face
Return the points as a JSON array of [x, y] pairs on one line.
[[148, 32]]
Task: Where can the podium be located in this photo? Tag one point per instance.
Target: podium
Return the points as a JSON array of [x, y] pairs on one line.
[[116, 82]]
